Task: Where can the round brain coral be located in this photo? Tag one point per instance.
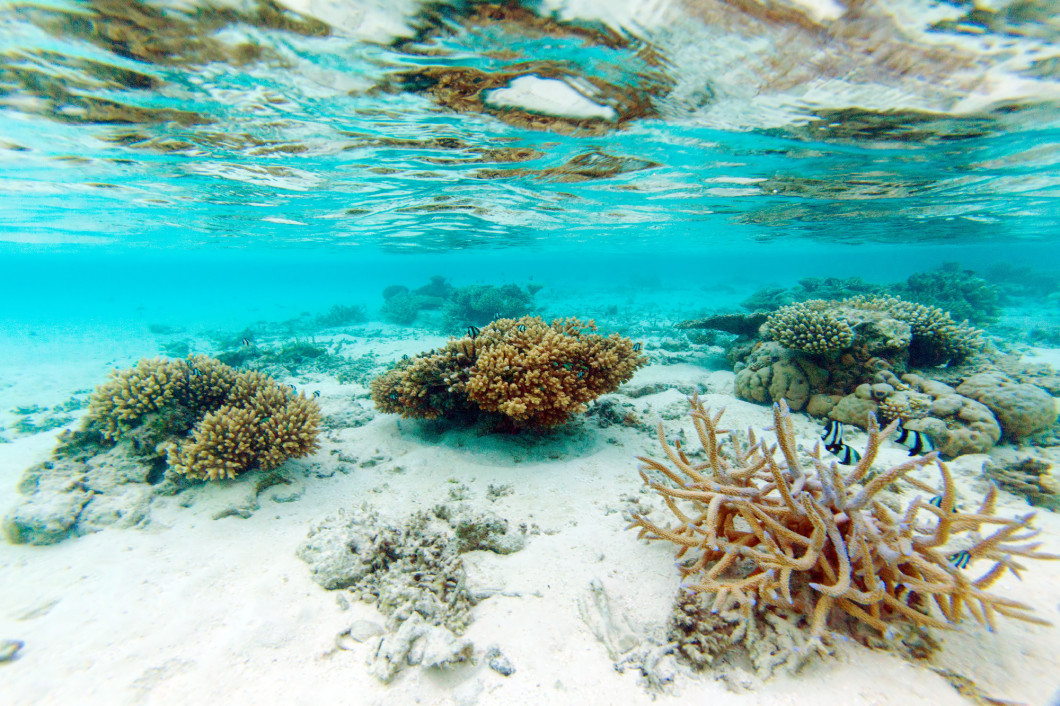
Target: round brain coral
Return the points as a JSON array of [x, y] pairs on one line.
[[529, 372]]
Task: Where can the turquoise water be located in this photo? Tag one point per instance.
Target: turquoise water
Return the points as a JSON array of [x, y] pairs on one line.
[[218, 164], [180, 172]]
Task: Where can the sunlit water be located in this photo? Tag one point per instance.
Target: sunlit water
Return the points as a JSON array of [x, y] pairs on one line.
[[174, 172], [224, 162]]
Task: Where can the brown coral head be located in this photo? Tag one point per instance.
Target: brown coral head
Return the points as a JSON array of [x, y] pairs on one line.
[[525, 371]]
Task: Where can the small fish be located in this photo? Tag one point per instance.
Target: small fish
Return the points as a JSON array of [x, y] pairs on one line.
[[636, 347], [196, 372], [405, 357], [473, 331], [937, 502], [246, 342], [521, 327], [316, 393], [847, 455], [833, 433], [293, 388], [917, 442], [961, 559]]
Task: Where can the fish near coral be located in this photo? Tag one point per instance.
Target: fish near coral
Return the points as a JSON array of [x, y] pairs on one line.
[[916, 441], [833, 443], [766, 534]]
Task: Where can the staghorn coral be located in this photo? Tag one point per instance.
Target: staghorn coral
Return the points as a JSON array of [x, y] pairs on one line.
[[525, 371], [810, 326], [762, 535], [210, 420]]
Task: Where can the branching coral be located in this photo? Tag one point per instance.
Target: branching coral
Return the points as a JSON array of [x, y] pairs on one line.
[[810, 326], [937, 338], [762, 533], [818, 326], [210, 420], [155, 386], [529, 372]]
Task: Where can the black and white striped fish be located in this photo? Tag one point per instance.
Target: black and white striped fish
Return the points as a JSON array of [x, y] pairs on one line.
[[847, 455], [937, 502], [833, 443], [833, 433], [917, 442], [961, 559]]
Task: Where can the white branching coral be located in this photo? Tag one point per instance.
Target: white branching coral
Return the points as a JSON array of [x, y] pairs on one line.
[[760, 532]]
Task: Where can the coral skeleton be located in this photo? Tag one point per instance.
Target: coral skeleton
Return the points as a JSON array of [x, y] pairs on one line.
[[761, 532]]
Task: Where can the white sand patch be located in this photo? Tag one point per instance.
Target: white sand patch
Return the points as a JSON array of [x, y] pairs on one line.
[[548, 96], [194, 609]]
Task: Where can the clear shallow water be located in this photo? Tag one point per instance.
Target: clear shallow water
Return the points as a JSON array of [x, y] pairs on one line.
[[176, 170], [214, 162]]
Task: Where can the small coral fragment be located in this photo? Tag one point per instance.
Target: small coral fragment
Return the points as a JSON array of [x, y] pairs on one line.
[[762, 534]]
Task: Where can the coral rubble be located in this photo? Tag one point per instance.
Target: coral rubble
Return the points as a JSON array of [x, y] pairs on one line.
[[762, 534], [412, 572], [523, 372]]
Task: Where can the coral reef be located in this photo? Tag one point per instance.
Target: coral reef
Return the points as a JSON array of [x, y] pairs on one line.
[[763, 535], [895, 328], [812, 327], [829, 288], [961, 292], [210, 420], [480, 304], [1029, 477], [1021, 408], [260, 425], [207, 420], [955, 423], [341, 315], [475, 305], [524, 372], [846, 359]]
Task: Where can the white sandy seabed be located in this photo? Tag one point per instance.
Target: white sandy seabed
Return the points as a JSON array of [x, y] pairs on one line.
[[188, 609]]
